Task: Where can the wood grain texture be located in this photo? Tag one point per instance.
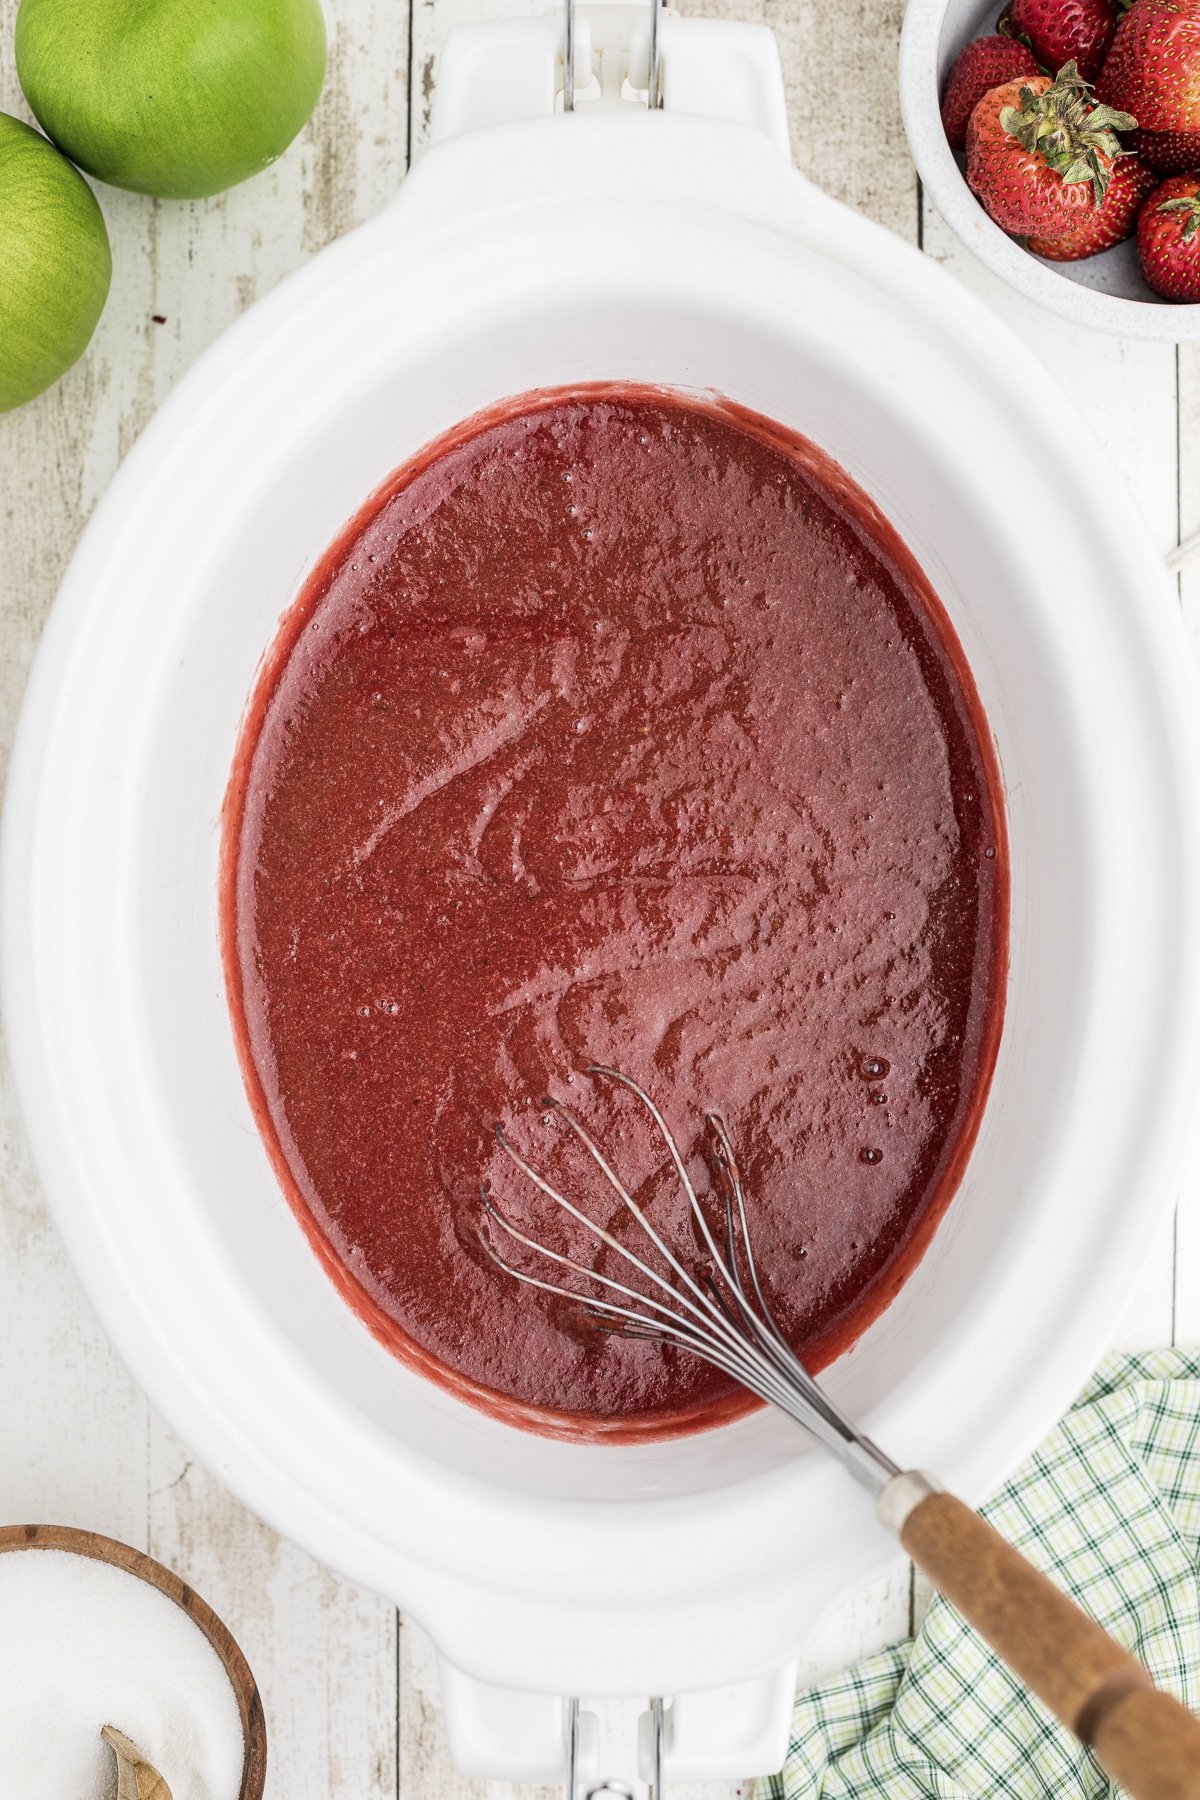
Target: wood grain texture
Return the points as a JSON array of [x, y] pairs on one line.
[[839, 66], [79, 1441], [323, 1650], [1148, 1742], [80, 1444], [30, 1539]]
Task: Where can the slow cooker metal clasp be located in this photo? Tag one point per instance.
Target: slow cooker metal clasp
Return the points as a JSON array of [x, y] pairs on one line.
[[653, 1748], [628, 74]]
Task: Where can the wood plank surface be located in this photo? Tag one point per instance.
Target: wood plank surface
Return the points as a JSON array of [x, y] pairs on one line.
[[80, 1445], [351, 1694]]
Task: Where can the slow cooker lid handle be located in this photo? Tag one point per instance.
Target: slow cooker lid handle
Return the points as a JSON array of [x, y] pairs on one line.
[[725, 1733], [604, 56]]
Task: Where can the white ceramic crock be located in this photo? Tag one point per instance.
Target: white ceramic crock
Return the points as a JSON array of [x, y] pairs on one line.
[[1107, 292], [662, 248]]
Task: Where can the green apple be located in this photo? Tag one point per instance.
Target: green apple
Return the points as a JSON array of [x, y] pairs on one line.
[[55, 264], [175, 97]]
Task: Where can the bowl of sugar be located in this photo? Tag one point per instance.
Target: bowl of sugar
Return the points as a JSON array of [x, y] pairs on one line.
[[94, 1633]]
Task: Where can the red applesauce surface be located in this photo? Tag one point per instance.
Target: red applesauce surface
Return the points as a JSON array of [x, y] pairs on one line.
[[618, 727]]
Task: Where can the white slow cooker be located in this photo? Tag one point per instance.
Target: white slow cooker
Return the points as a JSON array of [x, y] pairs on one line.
[[674, 247]]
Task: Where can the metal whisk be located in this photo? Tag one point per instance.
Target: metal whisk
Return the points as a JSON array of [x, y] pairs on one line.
[[723, 1319], [1145, 1739]]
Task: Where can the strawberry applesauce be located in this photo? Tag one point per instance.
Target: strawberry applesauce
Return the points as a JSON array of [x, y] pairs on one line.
[[618, 727]]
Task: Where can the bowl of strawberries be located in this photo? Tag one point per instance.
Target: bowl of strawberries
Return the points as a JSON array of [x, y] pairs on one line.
[[1061, 141]]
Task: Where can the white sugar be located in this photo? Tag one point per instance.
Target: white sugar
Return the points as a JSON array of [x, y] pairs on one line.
[[83, 1644]]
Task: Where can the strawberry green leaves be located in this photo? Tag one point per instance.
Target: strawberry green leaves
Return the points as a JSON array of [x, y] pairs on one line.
[[1073, 134], [1191, 207]]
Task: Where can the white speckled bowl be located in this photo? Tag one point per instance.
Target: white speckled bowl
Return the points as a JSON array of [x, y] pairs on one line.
[[1106, 292]]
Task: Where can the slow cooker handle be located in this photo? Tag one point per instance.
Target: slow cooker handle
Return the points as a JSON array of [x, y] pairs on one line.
[[503, 70], [1145, 1739]]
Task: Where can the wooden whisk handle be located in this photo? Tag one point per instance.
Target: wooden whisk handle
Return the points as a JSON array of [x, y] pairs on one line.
[[1145, 1739]]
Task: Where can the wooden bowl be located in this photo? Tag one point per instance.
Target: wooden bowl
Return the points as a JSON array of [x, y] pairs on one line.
[[136, 1562]]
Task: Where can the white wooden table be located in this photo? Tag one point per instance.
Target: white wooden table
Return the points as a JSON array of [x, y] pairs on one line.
[[349, 1689]]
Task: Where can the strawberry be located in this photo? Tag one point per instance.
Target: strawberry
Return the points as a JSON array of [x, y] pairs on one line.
[[1110, 223], [1063, 31], [1170, 152], [1153, 68], [1040, 153], [1168, 238], [985, 64]]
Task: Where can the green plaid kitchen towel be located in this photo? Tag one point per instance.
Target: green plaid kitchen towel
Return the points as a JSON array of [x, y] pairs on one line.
[[1109, 1506]]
